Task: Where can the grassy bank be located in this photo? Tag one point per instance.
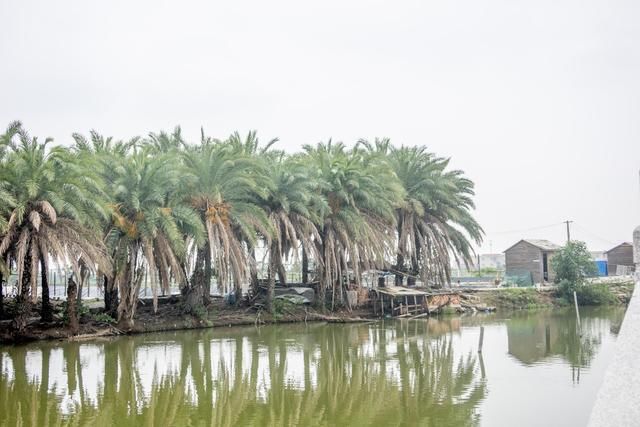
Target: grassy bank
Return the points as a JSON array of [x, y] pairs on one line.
[[549, 297]]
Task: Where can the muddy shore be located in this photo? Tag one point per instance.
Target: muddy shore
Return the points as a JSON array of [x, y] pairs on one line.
[[169, 316]]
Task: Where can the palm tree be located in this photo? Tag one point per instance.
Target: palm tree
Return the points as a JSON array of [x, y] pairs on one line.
[[148, 227], [434, 220], [294, 210], [226, 184], [7, 201], [49, 219], [98, 155], [357, 229]]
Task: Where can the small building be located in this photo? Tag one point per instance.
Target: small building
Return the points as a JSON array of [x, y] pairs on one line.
[[620, 259], [531, 258]]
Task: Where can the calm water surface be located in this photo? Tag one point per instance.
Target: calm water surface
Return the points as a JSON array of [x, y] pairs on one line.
[[534, 371]]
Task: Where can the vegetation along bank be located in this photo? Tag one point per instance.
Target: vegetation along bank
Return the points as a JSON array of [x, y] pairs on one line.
[[218, 216]]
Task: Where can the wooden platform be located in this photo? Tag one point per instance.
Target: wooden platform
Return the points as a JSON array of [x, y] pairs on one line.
[[400, 301]]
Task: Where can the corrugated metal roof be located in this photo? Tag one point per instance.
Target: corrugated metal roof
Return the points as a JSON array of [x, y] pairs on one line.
[[621, 244], [545, 245]]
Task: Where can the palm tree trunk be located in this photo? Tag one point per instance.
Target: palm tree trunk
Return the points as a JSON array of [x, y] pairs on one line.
[[399, 256], [322, 290], [194, 291], [208, 273], [84, 276], [415, 264], [271, 285], [1, 295], [305, 267], [46, 313], [110, 296], [399, 269], [23, 301], [282, 272], [253, 270], [129, 292], [72, 306]]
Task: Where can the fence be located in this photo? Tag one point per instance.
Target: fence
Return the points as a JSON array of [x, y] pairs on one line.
[[518, 278]]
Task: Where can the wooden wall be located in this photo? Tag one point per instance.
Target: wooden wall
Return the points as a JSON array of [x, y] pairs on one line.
[[520, 258], [622, 255]]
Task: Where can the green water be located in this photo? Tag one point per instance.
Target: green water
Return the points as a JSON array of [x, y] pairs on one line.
[[534, 371]]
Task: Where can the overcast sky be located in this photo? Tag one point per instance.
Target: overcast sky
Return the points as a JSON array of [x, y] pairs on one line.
[[537, 101]]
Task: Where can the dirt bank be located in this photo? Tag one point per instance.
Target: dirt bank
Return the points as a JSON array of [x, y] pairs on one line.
[[170, 317]]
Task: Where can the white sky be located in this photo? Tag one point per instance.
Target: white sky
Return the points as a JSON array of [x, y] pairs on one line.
[[538, 101]]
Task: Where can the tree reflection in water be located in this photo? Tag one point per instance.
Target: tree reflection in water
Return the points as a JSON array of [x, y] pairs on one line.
[[392, 373], [385, 373], [537, 336]]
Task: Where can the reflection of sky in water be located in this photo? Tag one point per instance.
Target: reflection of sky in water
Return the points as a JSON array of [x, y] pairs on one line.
[[156, 361], [7, 371], [404, 353]]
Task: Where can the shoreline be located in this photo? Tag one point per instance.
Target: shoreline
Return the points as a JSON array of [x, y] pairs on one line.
[[170, 318]]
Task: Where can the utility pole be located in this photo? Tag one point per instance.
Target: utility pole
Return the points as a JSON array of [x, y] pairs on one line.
[[568, 231]]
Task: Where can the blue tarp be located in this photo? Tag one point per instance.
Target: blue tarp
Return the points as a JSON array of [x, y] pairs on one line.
[[602, 267]]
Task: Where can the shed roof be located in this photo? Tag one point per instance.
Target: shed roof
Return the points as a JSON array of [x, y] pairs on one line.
[[398, 291], [545, 245], [621, 244]]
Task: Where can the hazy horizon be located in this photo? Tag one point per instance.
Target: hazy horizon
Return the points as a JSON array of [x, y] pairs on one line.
[[536, 102]]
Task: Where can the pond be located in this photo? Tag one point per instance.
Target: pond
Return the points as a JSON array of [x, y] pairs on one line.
[[534, 370]]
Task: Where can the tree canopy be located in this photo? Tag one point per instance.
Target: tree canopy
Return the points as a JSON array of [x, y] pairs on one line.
[[191, 214]]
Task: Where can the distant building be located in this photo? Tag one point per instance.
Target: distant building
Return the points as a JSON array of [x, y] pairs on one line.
[[531, 257], [495, 261], [620, 259]]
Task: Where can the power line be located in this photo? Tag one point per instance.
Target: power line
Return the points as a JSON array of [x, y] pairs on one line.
[[526, 229], [593, 234]]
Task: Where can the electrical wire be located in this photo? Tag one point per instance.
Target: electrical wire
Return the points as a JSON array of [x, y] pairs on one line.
[[525, 229], [592, 234]]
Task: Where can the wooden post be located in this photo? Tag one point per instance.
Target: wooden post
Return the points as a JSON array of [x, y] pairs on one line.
[[391, 305], [547, 339], [481, 339], [382, 304], [375, 306], [575, 301]]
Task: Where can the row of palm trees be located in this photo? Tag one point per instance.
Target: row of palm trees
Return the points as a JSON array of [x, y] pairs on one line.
[[190, 213]]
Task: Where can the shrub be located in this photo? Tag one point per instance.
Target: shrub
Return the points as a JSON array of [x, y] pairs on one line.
[[587, 294], [200, 312], [573, 263], [103, 318]]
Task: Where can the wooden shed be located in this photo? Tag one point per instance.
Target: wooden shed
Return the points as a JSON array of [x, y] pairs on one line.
[[531, 257], [620, 259]]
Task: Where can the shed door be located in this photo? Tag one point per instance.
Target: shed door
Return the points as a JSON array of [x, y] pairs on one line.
[[545, 267]]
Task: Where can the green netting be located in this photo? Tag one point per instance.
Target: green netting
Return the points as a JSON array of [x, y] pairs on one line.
[[518, 278]]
